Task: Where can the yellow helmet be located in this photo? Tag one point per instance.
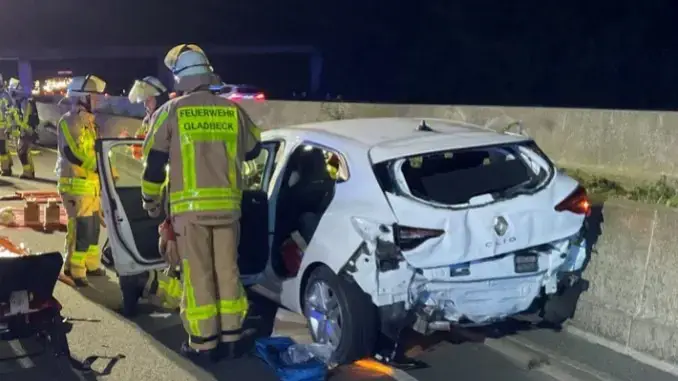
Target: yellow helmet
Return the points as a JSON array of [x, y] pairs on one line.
[[187, 59], [145, 88]]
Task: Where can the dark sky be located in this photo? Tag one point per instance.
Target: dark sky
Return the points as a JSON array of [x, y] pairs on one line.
[[571, 53]]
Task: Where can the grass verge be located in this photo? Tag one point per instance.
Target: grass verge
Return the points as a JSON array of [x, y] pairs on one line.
[[600, 188]]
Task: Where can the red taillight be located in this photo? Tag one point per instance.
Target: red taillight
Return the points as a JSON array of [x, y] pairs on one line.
[[291, 256], [407, 238], [260, 97], [577, 202], [235, 97]]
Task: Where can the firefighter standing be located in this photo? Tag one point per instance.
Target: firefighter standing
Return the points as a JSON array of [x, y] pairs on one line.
[[205, 138], [25, 120], [78, 180], [5, 128], [153, 94]]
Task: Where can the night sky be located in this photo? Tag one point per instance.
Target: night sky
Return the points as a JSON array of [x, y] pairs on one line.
[[621, 54]]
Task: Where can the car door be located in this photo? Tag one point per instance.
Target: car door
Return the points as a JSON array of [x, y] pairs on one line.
[[133, 235]]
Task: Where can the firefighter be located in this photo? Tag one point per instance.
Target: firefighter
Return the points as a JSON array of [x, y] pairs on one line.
[[5, 127], [153, 94], [205, 138], [26, 120], [78, 180]]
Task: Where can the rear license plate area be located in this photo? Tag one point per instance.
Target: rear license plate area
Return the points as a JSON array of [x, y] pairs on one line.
[[526, 263]]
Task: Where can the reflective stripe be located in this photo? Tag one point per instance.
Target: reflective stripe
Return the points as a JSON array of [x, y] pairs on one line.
[[78, 258], [151, 139], [204, 206], [150, 188], [87, 162], [206, 124], [194, 313], [77, 186]]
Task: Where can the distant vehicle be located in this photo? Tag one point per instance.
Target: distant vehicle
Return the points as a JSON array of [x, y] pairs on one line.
[[453, 223], [239, 92]]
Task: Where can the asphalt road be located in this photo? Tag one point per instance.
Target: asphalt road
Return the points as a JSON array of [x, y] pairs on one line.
[[146, 348]]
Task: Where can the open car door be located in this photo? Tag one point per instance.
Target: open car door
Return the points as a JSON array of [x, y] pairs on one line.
[[133, 235]]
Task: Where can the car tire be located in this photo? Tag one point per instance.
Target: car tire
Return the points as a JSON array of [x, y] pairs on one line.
[[561, 306], [359, 323]]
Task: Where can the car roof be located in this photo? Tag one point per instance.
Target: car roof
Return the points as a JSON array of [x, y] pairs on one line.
[[388, 138]]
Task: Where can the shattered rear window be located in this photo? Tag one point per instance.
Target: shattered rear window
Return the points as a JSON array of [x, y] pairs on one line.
[[456, 177]]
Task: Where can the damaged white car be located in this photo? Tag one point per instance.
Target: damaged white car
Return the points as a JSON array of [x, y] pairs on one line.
[[367, 226]]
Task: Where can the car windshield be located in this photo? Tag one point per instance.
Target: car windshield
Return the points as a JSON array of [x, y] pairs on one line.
[[456, 177]]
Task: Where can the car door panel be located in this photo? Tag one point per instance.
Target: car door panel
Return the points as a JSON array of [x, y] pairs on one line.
[[144, 228], [133, 235]]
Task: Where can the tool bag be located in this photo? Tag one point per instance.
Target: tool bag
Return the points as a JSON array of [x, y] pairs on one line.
[[270, 350]]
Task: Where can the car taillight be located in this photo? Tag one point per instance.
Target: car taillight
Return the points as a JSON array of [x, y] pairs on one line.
[[260, 97], [577, 202], [407, 238], [235, 97]]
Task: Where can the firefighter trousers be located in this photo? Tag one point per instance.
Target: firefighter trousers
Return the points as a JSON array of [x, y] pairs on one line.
[[163, 289], [82, 234], [214, 304], [5, 156], [24, 145]]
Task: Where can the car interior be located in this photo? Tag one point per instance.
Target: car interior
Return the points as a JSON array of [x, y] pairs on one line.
[[455, 178], [306, 191]]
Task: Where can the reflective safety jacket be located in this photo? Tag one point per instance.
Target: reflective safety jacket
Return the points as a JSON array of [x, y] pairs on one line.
[[205, 138], [24, 115], [137, 149], [5, 116], [76, 165]]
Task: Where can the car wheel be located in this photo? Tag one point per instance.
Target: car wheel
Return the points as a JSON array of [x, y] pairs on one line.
[[561, 306], [341, 315]]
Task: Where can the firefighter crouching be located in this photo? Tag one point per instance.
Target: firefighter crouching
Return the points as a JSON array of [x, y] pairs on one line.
[[78, 182], [206, 138], [25, 119], [153, 94], [5, 127]]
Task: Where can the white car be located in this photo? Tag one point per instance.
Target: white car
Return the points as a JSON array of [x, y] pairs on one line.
[[426, 224]]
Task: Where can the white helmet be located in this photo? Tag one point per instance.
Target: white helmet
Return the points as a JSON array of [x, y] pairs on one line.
[[85, 85], [145, 88], [187, 59]]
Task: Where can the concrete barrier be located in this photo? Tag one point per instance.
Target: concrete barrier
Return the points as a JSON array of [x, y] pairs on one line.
[[633, 294], [635, 143]]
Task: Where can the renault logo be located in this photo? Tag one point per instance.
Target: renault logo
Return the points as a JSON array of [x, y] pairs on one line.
[[500, 226]]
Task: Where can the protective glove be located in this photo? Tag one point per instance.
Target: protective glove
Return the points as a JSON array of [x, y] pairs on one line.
[[167, 244]]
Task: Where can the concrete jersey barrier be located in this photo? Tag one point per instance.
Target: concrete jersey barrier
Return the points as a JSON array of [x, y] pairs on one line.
[[638, 143], [632, 296]]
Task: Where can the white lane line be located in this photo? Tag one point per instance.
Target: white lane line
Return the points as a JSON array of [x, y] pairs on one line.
[[538, 359], [19, 351], [646, 359]]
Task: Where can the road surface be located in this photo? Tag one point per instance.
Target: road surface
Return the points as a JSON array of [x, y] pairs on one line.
[[150, 342]]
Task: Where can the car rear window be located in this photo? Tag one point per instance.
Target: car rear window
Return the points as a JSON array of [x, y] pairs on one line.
[[456, 177], [248, 90]]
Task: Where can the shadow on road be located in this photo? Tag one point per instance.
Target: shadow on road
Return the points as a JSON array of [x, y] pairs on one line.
[[259, 323], [165, 327]]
